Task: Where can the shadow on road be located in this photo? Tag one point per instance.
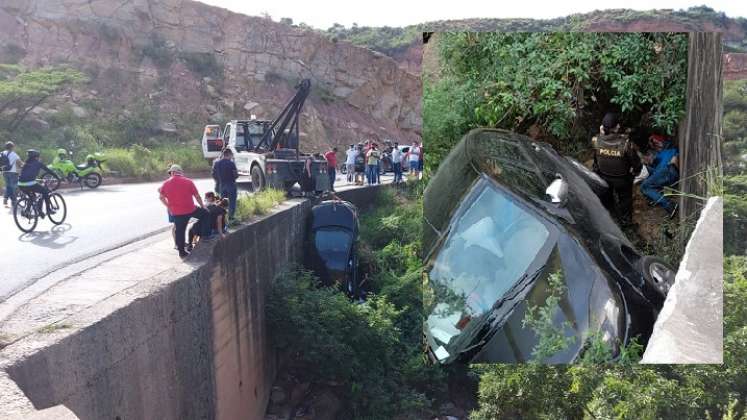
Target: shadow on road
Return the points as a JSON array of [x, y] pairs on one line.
[[54, 239]]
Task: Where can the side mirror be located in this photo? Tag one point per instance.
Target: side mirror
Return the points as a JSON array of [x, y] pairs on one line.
[[557, 191]]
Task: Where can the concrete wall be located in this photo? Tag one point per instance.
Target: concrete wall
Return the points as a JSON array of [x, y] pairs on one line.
[[689, 328], [178, 346]]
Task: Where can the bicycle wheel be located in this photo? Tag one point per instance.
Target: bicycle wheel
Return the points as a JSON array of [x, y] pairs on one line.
[[25, 214], [59, 207]]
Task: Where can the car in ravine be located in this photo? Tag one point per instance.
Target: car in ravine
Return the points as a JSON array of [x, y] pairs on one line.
[[509, 222]]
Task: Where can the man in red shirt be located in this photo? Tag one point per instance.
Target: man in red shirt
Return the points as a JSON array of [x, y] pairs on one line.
[[331, 158], [177, 194]]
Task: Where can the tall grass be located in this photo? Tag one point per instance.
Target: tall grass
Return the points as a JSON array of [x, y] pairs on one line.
[[139, 161], [258, 204]]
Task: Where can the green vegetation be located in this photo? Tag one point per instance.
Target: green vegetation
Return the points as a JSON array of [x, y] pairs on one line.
[[22, 90], [258, 204], [132, 140], [557, 84], [371, 352], [735, 167], [388, 40]]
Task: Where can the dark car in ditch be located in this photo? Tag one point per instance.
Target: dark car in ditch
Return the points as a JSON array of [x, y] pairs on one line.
[[332, 251], [510, 222]]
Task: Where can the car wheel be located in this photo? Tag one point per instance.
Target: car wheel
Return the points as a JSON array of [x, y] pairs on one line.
[[658, 274]]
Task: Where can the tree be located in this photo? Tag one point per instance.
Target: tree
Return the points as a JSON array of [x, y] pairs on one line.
[[23, 90]]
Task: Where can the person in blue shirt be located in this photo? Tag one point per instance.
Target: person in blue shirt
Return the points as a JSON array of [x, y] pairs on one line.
[[664, 172], [225, 173], [27, 180]]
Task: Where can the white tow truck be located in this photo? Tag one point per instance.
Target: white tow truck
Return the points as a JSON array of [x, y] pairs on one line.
[[266, 152]]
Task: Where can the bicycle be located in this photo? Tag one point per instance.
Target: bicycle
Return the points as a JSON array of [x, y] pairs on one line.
[[28, 209]]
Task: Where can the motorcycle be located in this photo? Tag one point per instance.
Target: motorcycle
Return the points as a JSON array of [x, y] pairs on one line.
[[88, 173]]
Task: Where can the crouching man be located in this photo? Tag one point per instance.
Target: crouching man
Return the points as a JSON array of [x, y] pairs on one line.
[[664, 172], [177, 194]]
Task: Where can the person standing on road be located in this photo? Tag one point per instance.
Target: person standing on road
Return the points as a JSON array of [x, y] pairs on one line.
[[397, 163], [331, 158], [617, 162], [226, 172], [413, 158], [360, 165], [373, 164], [350, 155], [9, 164], [177, 194]]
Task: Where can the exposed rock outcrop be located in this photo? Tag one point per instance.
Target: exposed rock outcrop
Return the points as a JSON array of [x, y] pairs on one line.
[[182, 56]]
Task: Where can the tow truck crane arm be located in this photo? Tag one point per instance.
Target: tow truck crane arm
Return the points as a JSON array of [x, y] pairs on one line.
[[277, 135]]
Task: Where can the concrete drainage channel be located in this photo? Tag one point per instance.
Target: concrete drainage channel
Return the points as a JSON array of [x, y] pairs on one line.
[[190, 342]]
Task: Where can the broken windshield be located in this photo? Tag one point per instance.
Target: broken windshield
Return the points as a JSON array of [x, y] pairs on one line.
[[492, 243]]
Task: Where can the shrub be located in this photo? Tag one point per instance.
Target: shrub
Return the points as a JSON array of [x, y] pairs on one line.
[[259, 203]]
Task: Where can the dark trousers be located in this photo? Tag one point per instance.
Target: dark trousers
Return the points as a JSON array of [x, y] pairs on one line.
[[371, 173], [332, 174], [620, 188], [38, 189], [229, 192], [180, 225], [397, 167]]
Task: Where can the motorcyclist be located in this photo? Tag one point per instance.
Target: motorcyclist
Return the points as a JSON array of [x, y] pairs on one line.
[[63, 164], [27, 180]]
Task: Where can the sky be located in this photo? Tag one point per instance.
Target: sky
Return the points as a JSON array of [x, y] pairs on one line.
[[323, 13]]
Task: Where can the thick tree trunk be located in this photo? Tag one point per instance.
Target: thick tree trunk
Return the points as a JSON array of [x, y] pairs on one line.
[[700, 132]]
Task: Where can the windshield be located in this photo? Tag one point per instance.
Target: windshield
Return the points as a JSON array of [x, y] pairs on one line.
[[333, 246], [491, 244]]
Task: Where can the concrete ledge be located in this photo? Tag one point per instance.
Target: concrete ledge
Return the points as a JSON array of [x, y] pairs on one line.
[[187, 342], [689, 328]]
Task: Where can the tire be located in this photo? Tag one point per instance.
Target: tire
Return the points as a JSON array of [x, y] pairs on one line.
[[58, 204], [51, 182], [658, 274], [258, 179], [25, 214], [92, 180], [344, 169]]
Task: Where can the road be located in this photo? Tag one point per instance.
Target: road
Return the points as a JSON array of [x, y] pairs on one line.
[[98, 221]]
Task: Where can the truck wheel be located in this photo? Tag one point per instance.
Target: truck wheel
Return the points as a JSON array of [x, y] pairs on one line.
[[258, 179]]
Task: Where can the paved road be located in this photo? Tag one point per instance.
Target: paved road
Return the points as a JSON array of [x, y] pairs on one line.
[[98, 221]]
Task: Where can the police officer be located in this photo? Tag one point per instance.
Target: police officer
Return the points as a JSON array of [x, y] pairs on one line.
[[617, 162]]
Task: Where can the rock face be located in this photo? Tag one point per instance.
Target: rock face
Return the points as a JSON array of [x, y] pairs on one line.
[[191, 61]]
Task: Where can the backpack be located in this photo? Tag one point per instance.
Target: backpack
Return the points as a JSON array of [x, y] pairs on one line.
[[5, 161]]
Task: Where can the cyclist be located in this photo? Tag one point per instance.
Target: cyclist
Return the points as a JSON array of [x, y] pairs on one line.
[[27, 180]]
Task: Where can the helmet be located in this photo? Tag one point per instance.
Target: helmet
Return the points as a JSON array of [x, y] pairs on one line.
[[9, 145], [90, 157], [32, 153], [62, 152]]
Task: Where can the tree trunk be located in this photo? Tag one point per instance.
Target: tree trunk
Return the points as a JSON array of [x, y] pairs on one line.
[[700, 132]]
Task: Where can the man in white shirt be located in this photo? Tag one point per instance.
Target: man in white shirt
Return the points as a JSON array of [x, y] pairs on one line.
[[413, 157], [10, 164], [350, 154], [397, 163]]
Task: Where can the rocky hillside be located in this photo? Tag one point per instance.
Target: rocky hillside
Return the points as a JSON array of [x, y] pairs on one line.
[[191, 64]]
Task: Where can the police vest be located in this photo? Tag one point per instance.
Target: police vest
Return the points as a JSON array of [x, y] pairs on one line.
[[610, 150]]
